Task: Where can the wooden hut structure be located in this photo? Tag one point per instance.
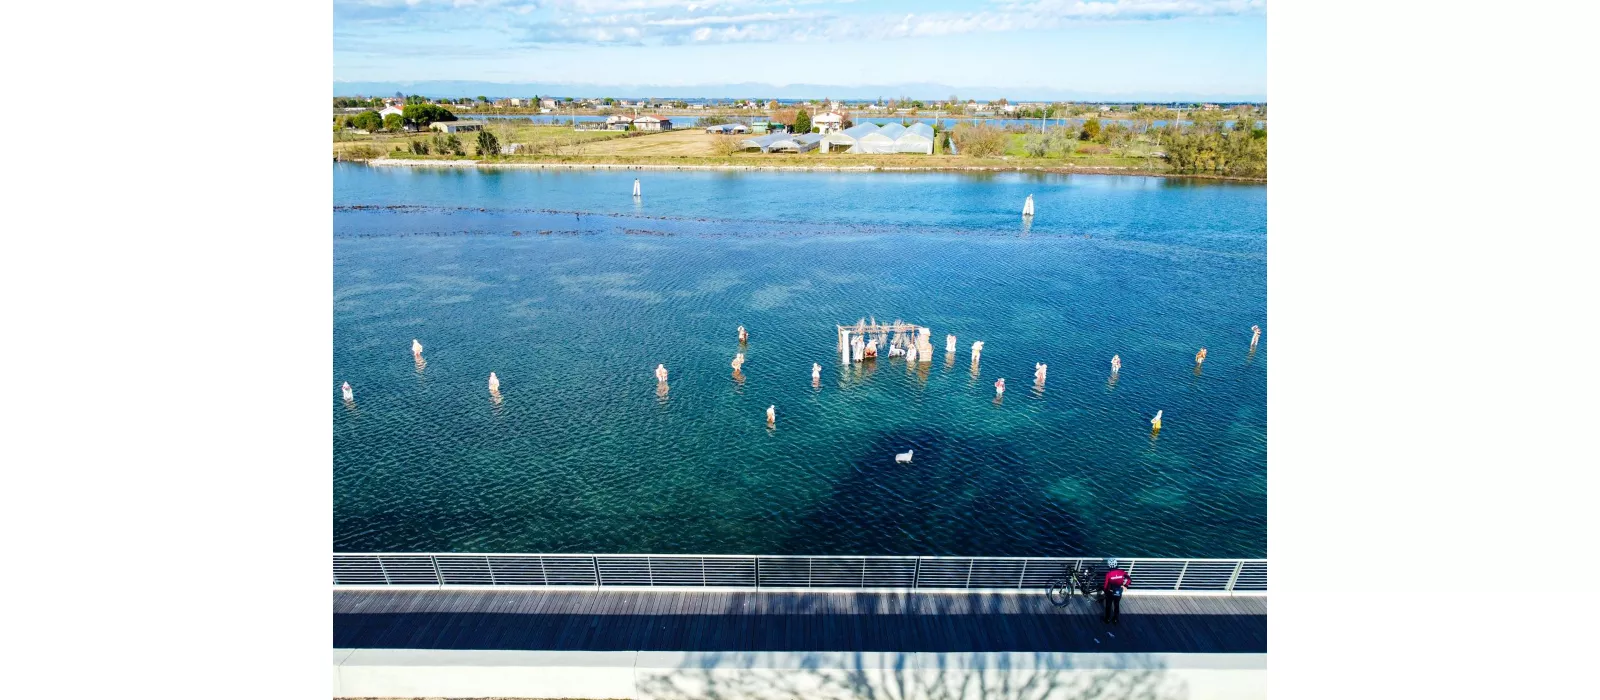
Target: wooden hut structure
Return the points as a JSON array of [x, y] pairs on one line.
[[865, 340]]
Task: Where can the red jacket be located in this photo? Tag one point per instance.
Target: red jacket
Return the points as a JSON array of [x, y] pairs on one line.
[[1116, 578]]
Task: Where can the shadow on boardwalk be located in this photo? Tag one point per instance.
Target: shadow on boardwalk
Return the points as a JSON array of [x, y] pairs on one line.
[[858, 676]]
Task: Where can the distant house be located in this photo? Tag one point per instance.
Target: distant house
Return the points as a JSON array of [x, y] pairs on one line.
[[457, 127], [652, 122], [828, 122], [516, 101], [547, 103], [619, 122], [391, 109]]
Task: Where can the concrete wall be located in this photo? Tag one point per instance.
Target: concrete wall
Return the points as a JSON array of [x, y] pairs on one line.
[[789, 675]]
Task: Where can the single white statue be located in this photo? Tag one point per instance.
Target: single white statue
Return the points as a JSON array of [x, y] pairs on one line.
[[903, 457], [494, 384], [772, 415], [661, 373], [416, 347], [348, 394], [1000, 386]]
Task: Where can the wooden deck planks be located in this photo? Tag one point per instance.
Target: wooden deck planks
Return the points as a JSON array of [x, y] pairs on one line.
[[805, 621]]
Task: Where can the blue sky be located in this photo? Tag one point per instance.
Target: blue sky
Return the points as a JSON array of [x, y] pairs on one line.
[[1211, 47]]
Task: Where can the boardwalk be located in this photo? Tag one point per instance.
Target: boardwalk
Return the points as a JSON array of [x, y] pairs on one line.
[[591, 620]]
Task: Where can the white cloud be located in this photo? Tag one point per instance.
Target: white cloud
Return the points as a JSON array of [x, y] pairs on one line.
[[646, 22]]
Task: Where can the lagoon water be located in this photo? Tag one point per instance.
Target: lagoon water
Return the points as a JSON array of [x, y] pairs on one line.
[[572, 292]]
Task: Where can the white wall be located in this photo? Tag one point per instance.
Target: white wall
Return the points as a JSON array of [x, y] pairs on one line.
[[789, 675]]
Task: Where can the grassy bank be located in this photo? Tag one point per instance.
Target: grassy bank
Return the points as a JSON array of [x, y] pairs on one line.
[[565, 147]]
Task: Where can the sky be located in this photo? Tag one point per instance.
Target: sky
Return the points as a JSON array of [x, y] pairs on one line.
[[1211, 48]]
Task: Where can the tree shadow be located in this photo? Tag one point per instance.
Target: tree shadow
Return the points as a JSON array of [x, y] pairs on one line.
[[920, 676]]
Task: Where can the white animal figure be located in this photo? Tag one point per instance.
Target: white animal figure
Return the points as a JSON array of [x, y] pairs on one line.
[[661, 373], [903, 457], [494, 383], [348, 394], [416, 347]]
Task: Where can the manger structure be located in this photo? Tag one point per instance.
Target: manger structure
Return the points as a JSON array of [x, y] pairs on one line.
[[863, 340]]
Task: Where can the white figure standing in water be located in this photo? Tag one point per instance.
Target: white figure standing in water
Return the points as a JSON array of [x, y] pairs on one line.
[[949, 343], [661, 373], [416, 349], [977, 351], [738, 361], [494, 384], [744, 336], [1200, 357], [348, 394], [1000, 386], [772, 415], [816, 372], [636, 187], [1255, 336], [1155, 423], [1027, 207], [1039, 370], [1116, 363]]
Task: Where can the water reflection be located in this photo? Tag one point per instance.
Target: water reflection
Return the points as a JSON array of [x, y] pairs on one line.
[[661, 392]]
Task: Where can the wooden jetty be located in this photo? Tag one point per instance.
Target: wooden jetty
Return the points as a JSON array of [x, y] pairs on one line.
[[616, 620]]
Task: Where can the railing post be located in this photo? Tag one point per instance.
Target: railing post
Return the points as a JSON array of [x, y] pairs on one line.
[[385, 571], [1179, 585], [595, 562], [1024, 575], [757, 572], [809, 563], [971, 564], [490, 566], [649, 571], [916, 574], [1237, 567], [438, 574]]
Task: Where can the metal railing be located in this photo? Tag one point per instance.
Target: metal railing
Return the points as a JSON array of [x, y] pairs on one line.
[[780, 572]]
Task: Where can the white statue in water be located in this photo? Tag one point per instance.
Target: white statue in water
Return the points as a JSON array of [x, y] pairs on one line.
[[1200, 357], [1116, 363], [816, 372], [416, 348], [494, 384], [977, 350], [744, 336], [636, 187], [738, 361], [1027, 206], [911, 354], [1000, 386], [348, 394], [661, 373], [949, 343], [1155, 423], [1255, 335], [1039, 369], [772, 415]]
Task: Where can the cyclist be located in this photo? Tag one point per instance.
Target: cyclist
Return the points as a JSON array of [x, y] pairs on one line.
[[1116, 582]]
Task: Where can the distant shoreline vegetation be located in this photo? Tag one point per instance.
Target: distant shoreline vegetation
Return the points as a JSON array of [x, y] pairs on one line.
[[1205, 143]]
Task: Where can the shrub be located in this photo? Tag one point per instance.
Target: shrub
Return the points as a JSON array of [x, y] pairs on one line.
[[419, 147], [488, 145], [980, 141]]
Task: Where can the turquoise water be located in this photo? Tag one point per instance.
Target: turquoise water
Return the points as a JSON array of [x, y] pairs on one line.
[[572, 292]]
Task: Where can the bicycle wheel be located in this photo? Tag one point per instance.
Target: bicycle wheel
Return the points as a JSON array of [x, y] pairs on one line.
[[1060, 593]]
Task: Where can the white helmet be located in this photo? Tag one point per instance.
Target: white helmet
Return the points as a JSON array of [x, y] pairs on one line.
[[1111, 562]]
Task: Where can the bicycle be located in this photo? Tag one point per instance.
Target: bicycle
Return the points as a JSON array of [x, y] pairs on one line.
[[1071, 584]]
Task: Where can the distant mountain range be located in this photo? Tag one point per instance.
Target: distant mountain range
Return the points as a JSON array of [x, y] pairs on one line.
[[916, 91]]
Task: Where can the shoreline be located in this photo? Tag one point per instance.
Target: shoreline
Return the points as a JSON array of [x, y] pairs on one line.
[[1053, 169]]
